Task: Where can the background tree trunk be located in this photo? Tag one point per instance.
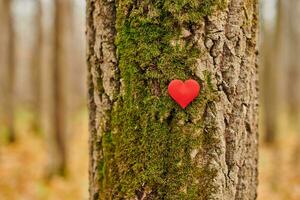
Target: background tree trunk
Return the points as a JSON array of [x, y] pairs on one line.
[[61, 23], [36, 62], [142, 144], [8, 43], [270, 101], [273, 58], [293, 73]]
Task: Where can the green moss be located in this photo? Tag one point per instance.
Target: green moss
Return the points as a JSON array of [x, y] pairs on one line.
[[101, 170], [151, 137], [192, 10]]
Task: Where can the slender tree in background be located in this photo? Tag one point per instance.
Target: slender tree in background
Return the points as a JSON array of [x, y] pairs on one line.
[[36, 63], [273, 57], [142, 144], [293, 72], [269, 88], [62, 11], [8, 42]]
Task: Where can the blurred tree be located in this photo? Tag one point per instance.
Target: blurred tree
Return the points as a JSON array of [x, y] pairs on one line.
[[36, 62], [270, 105], [272, 58], [293, 71], [61, 26], [142, 144], [8, 43]]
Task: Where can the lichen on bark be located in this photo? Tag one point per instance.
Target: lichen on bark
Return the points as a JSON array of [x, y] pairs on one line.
[[143, 145]]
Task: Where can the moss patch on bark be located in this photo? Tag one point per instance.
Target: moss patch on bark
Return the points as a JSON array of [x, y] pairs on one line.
[[149, 149]]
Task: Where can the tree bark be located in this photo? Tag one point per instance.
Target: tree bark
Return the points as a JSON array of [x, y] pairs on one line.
[[142, 144], [8, 39]]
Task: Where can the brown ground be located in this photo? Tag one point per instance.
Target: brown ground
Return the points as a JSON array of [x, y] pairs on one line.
[[23, 167], [279, 171]]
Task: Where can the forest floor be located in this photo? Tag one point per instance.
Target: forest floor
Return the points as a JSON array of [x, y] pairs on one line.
[[23, 167], [279, 164]]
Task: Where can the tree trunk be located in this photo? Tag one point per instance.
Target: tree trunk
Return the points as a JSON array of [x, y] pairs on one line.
[[142, 144], [273, 57], [8, 42], [269, 88], [36, 63], [61, 26], [293, 73]]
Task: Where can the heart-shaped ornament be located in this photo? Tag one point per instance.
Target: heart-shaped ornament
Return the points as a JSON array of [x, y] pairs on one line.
[[184, 92]]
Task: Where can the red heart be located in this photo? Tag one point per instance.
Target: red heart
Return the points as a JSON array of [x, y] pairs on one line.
[[184, 93]]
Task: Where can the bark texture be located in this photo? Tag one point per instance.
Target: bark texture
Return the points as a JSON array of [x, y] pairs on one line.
[[142, 144]]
